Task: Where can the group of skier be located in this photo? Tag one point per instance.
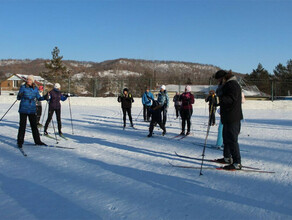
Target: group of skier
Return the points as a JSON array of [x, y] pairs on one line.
[[29, 96], [228, 97]]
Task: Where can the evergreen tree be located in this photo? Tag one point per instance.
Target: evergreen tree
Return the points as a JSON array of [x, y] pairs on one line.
[[284, 78], [57, 71], [261, 78]]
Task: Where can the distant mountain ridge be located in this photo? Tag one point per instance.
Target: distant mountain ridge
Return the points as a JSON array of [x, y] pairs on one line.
[[149, 68]]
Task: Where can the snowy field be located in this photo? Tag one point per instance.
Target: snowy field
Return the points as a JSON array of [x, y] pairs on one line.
[[116, 174]]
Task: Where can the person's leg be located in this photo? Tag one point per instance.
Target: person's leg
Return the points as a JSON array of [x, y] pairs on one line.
[[226, 141], [130, 116], [213, 121], [189, 115], [21, 129], [58, 115], [234, 130], [124, 116], [148, 113], [219, 135], [162, 127], [164, 116], [39, 113], [33, 124], [151, 127], [183, 121], [176, 111], [50, 115], [144, 112]]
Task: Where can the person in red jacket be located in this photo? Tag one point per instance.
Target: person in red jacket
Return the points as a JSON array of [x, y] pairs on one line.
[[187, 99]]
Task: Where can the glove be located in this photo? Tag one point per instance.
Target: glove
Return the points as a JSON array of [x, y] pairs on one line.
[[20, 95], [68, 95]]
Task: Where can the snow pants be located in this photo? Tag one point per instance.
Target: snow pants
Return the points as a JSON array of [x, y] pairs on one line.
[[219, 142], [125, 111], [230, 140], [50, 116], [22, 125], [146, 112], [186, 115]]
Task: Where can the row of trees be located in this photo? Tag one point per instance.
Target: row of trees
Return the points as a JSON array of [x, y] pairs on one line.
[[280, 82], [56, 71]]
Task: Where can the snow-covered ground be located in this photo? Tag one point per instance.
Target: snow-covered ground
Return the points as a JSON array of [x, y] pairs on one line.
[[116, 174]]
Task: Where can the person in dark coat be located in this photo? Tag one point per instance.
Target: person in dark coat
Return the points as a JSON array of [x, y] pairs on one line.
[[55, 106], [163, 101], [126, 100], [212, 100], [28, 94], [230, 100], [146, 101], [155, 112], [177, 104], [187, 99]]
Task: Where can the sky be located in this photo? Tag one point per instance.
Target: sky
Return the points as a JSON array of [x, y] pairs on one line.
[[230, 34]]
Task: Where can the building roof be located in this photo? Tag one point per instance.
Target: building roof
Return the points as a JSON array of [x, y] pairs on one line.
[[38, 79]]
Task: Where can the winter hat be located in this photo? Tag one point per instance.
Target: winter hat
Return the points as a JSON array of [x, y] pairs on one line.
[[219, 74], [30, 77], [163, 87], [125, 89], [57, 86], [188, 88]]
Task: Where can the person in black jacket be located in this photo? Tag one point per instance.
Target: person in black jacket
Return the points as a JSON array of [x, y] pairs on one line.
[[126, 100], [229, 93], [155, 111], [211, 99]]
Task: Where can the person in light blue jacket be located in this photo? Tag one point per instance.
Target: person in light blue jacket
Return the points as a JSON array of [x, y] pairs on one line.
[[147, 102], [28, 95]]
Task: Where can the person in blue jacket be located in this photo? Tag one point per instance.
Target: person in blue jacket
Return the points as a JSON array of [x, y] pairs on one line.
[[28, 94], [146, 101]]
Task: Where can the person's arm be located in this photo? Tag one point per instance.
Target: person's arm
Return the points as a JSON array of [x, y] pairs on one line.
[[20, 93], [192, 99], [143, 99], [119, 99], [63, 98]]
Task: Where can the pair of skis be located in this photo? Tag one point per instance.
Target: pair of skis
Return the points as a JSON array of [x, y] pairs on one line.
[[244, 168], [180, 137]]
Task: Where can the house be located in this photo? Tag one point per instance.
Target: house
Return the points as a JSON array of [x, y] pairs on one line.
[[11, 85]]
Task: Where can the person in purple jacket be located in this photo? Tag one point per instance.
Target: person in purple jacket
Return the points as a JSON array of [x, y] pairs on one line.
[[55, 106]]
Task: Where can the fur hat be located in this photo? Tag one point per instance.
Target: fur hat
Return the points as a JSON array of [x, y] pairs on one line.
[[219, 74], [57, 86], [188, 88], [30, 77]]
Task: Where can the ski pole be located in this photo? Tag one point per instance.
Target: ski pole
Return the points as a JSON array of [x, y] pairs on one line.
[[139, 115], [54, 129], [70, 114], [8, 109], [205, 143]]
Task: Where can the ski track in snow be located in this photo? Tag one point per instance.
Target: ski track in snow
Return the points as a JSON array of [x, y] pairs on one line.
[[120, 174]]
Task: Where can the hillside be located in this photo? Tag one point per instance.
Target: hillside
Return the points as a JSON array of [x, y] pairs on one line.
[[111, 73]]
